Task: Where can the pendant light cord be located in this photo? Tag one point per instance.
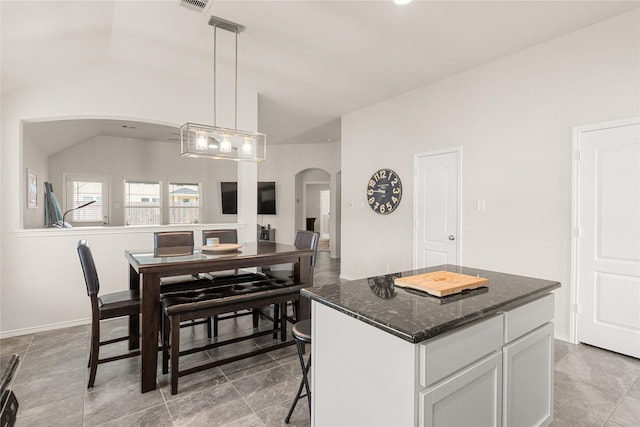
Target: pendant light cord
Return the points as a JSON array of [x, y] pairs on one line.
[[235, 114], [215, 73]]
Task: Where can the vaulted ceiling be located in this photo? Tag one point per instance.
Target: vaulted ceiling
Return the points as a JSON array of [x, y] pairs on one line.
[[311, 61]]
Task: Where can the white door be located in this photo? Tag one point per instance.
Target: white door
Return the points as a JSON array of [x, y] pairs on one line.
[[608, 246], [86, 201], [436, 216]]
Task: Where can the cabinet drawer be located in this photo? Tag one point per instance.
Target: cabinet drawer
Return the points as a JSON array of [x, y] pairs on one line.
[[525, 319], [445, 355]]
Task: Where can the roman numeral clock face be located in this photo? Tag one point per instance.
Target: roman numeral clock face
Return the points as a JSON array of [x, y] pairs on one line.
[[384, 191]]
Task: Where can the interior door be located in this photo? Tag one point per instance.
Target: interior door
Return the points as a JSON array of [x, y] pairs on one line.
[[608, 257], [436, 217], [80, 189]]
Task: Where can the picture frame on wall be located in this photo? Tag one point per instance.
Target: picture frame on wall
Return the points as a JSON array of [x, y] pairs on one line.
[[32, 189]]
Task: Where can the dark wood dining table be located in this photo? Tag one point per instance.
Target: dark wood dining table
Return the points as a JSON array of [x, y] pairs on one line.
[[146, 268]]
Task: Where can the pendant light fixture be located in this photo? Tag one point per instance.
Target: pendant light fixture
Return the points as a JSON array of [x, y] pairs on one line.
[[215, 142]]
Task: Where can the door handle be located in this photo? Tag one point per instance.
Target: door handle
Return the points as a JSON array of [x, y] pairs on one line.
[[452, 237]]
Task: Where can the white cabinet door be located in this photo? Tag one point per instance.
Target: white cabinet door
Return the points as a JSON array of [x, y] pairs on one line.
[[471, 398], [528, 379]]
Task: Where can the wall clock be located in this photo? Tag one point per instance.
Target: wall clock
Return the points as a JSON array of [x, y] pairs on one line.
[[384, 191]]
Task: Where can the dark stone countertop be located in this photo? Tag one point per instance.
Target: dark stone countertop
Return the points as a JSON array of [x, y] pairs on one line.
[[416, 316]]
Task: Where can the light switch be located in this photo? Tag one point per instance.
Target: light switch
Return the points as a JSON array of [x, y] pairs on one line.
[[481, 205]]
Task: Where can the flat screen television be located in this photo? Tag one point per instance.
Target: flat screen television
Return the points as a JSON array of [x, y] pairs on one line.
[[266, 198], [229, 192]]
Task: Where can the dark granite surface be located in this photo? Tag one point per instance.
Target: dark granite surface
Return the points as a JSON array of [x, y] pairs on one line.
[[416, 316]]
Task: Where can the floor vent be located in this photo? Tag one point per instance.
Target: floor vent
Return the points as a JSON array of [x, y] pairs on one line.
[[197, 5]]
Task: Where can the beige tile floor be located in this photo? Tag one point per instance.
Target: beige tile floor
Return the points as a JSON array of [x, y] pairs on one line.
[[593, 387]]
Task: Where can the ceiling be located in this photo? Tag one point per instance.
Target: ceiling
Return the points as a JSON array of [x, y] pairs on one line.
[[311, 61]]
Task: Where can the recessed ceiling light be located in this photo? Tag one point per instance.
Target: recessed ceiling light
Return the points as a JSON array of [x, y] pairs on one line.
[[402, 2]]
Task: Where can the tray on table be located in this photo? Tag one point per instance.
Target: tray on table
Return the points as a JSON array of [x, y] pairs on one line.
[[222, 247]]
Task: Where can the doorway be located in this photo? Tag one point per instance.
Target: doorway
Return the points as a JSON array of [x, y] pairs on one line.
[[325, 202], [316, 211], [437, 208], [605, 285], [314, 206]]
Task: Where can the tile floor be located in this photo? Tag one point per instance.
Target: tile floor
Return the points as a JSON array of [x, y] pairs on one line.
[[593, 387]]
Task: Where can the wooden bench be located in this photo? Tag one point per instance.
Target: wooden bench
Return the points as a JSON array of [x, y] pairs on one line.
[[257, 293]]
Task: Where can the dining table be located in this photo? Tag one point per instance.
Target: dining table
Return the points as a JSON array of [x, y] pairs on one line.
[[148, 267]]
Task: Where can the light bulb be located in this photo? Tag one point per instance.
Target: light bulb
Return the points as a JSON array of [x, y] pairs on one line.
[[225, 145], [201, 140], [246, 147], [402, 2]]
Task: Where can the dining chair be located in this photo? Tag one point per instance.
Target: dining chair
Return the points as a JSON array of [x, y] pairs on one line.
[[226, 236], [177, 243], [304, 240], [108, 306], [8, 400], [173, 243]]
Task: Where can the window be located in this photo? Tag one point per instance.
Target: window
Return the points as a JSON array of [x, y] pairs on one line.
[[142, 203], [82, 189], [184, 203]]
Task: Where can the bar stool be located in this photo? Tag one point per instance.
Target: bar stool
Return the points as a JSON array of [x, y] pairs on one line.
[[302, 334]]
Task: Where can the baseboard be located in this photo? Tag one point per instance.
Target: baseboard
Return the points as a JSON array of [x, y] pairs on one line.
[[45, 328], [562, 337]]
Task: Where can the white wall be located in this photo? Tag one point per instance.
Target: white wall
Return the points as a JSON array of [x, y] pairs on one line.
[[39, 269], [283, 163], [513, 119], [41, 282], [36, 160]]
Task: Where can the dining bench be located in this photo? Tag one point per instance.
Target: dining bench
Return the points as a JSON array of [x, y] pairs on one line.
[[250, 294]]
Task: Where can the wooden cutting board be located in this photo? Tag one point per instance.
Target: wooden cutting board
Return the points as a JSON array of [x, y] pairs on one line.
[[441, 283]]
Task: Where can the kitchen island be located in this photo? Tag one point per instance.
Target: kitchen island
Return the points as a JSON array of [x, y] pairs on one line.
[[388, 356]]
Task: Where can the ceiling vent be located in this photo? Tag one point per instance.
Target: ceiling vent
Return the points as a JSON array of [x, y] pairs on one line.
[[197, 5]]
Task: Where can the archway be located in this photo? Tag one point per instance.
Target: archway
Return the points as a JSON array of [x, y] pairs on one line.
[[313, 204]]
